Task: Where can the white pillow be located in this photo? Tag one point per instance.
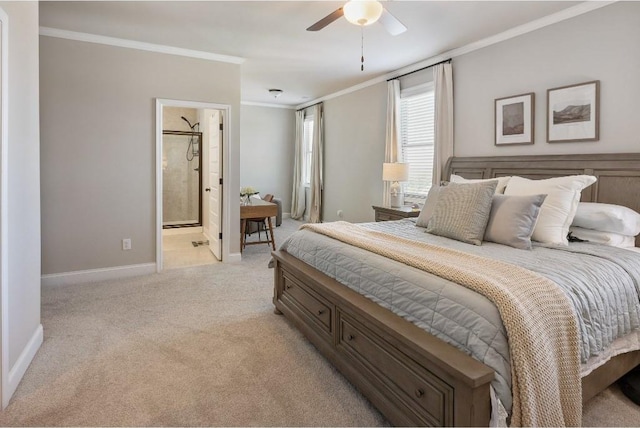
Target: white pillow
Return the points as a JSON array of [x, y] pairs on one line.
[[502, 181], [559, 207], [606, 238], [607, 218]]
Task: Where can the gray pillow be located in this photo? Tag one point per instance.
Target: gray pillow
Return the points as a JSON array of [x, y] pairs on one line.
[[512, 220], [429, 205], [462, 211]]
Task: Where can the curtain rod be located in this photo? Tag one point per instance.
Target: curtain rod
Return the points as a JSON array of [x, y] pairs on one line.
[[304, 108], [420, 69]]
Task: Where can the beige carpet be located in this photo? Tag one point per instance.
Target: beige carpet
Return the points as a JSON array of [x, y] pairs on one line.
[[195, 347]]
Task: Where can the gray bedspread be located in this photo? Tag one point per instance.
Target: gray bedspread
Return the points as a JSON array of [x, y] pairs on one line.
[[603, 284]]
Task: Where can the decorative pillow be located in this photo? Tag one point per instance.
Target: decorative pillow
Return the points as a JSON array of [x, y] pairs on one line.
[[600, 237], [429, 205], [462, 211], [559, 207], [512, 220], [502, 181], [607, 218]]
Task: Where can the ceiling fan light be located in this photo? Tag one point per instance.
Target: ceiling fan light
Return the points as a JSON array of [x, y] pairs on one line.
[[275, 92], [362, 12]]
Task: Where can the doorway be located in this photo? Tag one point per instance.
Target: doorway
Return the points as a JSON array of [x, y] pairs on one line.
[[190, 150]]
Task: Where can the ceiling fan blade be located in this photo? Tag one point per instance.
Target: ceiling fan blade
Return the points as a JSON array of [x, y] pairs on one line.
[[391, 23], [326, 20]]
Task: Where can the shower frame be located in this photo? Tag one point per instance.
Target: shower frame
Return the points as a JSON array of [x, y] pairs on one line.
[[199, 135]]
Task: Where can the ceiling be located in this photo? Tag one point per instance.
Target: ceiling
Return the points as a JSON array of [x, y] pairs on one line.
[[279, 53]]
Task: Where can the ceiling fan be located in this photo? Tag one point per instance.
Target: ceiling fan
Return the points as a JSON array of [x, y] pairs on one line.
[[363, 12]]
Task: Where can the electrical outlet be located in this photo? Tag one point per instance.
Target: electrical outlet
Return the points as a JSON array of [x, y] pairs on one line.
[[340, 214], [126, 244]]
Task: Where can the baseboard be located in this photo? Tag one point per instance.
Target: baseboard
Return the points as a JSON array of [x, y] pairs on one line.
[[93, 275], [233, 258], [286, 215], [22, 364]]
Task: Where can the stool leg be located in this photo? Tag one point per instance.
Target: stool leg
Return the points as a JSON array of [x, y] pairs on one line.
[[273, 241], [243, 225]]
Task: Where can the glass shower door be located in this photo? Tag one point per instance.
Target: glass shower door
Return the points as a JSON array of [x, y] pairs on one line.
[[181, 179]]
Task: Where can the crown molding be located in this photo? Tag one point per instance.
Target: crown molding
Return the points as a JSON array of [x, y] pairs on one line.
[[256, 104], [563, 15], [132, 44]]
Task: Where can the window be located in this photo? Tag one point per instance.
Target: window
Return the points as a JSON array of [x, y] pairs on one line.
[[308, 149], [417, 138]]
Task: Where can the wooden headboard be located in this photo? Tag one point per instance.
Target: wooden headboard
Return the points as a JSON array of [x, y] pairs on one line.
[[618, 174]]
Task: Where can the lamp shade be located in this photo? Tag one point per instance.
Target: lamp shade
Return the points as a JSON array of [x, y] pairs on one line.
[[395, 171], [362, 12]]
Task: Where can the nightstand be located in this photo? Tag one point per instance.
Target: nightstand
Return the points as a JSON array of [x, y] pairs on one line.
[[388, 214]]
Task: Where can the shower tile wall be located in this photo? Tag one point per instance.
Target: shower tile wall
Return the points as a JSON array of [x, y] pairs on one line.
[[180, 178]]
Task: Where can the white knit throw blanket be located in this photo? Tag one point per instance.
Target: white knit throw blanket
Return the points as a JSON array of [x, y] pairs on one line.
[[537, 316]]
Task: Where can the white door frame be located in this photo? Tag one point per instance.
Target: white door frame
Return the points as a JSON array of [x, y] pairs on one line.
[[5, 392], [226, 208]]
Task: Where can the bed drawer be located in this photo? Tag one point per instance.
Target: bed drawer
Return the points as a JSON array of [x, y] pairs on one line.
[[413, 386], [308, 303]]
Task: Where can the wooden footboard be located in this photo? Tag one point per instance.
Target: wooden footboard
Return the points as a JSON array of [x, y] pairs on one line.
[[411, 376]]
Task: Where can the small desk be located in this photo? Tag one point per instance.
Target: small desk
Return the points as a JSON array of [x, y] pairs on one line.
[[256, 210]]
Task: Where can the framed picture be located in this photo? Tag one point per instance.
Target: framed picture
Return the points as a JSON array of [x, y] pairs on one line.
[[514, 119], [573, 113]]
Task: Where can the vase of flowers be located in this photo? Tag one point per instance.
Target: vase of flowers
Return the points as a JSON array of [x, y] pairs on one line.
[[246, 193]]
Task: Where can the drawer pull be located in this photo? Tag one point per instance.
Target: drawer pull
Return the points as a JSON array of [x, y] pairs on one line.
[[288, 286], [419, 392], [320, 311], [350, 337]]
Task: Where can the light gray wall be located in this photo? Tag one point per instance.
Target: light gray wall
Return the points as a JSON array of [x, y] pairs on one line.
[[98, 147], [354, 127], [23, 178], [267, 137], [600, 45]]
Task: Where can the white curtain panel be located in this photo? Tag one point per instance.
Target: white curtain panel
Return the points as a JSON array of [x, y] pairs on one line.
[[443, 150], [392, 152], [298, 193], [315, 203]]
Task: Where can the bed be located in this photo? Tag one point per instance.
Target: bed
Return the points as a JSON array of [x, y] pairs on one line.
[[410, 375]]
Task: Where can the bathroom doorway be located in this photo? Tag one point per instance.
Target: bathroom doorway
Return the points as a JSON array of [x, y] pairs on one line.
[[190, 173]]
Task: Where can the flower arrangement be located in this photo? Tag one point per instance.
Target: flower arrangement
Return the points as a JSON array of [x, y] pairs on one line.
[[248, 191]]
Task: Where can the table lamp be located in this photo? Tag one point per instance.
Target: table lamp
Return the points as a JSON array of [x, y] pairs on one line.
[[395, 172]]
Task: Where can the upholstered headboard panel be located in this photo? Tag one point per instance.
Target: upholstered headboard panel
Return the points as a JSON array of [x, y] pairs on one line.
[[618, 174]]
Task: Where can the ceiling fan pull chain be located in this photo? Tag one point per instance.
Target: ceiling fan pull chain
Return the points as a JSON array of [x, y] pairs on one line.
[[362, 48]]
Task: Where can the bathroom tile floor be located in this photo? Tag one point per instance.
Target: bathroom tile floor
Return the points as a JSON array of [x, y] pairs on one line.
[[178, 251]]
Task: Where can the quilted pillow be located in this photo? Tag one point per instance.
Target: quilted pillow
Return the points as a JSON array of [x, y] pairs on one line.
[[512, 220], [462, 211], [558, 209]]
